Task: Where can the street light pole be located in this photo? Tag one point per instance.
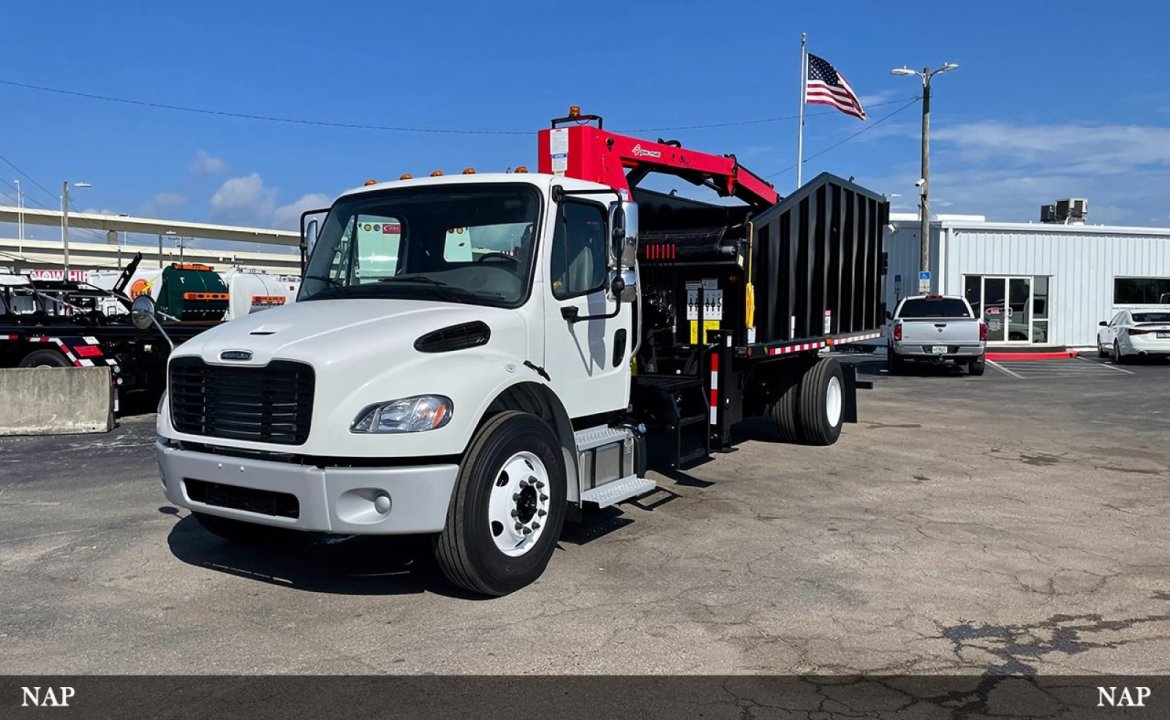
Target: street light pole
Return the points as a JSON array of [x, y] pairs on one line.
[[65, 222], [19, 218], [924, 181], [924, 201], [65, 225]]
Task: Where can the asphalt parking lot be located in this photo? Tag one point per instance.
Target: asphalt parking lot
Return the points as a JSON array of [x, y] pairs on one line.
[[994, 524]]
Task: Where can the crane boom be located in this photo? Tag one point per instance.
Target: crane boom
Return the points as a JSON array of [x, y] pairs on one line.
[[577, 149]]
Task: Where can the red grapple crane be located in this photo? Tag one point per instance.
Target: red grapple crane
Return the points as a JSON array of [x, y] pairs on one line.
[[575, 148]]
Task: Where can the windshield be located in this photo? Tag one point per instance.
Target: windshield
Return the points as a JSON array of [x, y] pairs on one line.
[[1151, 317], [934, 308], [452, 243]]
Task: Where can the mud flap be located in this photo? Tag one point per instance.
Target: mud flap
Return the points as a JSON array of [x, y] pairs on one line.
[[849, 372]]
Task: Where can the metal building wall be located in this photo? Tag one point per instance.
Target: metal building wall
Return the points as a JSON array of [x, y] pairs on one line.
[[903, 256], [1081, 262]]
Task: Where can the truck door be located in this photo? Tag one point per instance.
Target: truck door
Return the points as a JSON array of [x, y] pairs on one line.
[[587, 360]]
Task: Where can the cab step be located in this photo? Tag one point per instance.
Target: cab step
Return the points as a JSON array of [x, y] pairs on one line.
[[614, 492]]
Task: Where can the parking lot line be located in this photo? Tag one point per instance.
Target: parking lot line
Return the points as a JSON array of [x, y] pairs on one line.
[[1004, 370], [1109, 365]]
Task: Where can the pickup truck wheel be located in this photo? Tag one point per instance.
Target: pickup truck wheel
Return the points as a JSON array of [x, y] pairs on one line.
[[977, 366], [45, 358], [822, 403], [508, 507], [241, 533], [894, 364], [785, 411]]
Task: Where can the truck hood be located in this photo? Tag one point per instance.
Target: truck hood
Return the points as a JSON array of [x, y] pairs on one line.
[[339, 332]]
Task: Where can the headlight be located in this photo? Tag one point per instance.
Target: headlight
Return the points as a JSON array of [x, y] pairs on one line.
[[412, 414]]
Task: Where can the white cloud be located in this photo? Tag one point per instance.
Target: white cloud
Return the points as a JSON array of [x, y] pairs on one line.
[[288, 217], [163, 203], [1006, 170], [244, 201], [206, 164]]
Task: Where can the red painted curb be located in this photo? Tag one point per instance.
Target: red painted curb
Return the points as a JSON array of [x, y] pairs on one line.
[[1032, 356]]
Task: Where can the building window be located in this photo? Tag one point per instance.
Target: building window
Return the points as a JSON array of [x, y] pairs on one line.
[[1140, 291]]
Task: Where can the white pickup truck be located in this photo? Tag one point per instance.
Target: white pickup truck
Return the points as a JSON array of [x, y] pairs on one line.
[[937, 329]]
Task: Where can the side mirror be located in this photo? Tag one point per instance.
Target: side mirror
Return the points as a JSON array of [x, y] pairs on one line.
[[889, 315], [1103, 323], [309, 229], [142, 311], [617, 232], [144, 314], [624, 238]]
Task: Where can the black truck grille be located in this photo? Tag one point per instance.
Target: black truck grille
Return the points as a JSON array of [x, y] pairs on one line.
[[272, 404]]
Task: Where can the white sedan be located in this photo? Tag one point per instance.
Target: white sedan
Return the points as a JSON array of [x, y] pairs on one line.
[[1135, 333]]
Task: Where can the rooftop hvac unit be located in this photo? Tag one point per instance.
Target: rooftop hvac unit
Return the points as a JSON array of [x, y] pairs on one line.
[[1073, 210], [1048, 213]]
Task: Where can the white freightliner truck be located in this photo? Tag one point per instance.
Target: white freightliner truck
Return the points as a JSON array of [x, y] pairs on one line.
[[479, 357]]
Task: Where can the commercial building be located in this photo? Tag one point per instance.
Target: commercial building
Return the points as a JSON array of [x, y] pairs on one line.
[[1037, 283]]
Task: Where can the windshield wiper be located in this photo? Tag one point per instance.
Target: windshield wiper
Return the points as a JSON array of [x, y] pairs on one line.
[[322, 278], [439, 285]]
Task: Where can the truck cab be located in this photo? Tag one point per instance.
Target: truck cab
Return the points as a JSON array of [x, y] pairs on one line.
[[460, 366]]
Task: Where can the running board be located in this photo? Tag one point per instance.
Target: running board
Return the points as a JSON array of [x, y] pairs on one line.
[[614, 492]]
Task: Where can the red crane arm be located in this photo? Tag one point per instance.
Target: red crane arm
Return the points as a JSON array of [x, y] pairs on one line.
[[588, 152]]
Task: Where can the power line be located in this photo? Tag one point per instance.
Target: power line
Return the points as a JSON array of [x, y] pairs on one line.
[[266, 118], [836, 145], [32, 180], [758, 121], [386, 128]]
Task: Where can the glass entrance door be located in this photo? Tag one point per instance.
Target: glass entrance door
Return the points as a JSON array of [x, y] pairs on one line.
[[1019, 310], [1005, 304]]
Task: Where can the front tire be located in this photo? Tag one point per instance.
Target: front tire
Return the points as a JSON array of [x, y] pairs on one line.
[[822, 403], [1102, 351], [508, 507]]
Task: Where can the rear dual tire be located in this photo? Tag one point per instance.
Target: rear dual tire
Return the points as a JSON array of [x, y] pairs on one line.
[[811, 408]]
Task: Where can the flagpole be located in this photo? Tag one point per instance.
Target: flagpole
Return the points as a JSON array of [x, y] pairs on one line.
[[800, 127]]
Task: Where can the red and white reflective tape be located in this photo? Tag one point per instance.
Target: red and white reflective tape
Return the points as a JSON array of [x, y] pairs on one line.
[[714, 387], [798, 347], [62, 347], [68, 352], [855, 338], [9, 337]]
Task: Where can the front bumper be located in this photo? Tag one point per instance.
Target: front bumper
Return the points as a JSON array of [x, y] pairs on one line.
[[333, 500]]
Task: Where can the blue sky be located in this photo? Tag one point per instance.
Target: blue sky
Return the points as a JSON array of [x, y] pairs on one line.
[[1051, 99]]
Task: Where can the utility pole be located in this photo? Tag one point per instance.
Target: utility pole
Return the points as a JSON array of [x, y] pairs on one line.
[[924, 181], [19, 218], [65, 221], [924, 201], [65, 225]]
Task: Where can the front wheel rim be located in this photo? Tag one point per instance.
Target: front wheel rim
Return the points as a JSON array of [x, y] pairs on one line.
[[519, 504], [833, 401]]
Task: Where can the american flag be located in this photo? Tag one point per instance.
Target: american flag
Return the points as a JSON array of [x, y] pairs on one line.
[[826, 86]]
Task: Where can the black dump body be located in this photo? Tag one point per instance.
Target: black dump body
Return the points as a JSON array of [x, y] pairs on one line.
[[814, 261]]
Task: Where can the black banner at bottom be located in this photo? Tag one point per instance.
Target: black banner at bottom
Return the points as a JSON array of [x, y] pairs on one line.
[[583, 697]]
